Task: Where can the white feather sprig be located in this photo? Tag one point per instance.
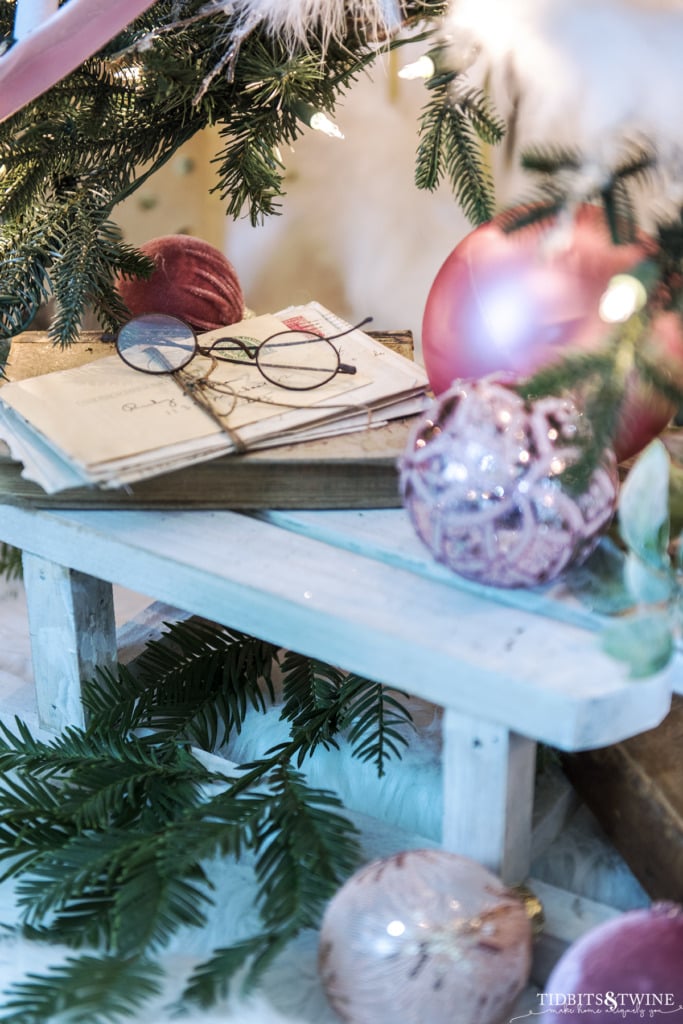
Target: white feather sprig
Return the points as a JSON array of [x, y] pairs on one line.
[[593, 73], [293, 20]]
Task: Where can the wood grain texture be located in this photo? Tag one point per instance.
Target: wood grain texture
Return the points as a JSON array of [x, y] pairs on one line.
[[400, 627], [635, 789], [73, 633], [488, 783]]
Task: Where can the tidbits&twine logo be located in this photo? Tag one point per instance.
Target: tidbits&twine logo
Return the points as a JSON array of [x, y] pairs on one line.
[[622, 1004]]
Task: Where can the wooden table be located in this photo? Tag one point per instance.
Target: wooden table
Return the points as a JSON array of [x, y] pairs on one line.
[[357, 589]]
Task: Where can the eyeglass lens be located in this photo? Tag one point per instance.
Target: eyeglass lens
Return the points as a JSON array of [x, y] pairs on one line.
[[156, 343], [297, 360]]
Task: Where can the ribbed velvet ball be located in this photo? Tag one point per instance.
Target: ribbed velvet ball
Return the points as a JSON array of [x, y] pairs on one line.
[[193, 281]]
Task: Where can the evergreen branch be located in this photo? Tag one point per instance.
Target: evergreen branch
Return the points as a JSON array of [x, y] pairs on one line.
[[550, 160], [107, 832], [83, 990], [304, 849], [476, 105], [658, 378], [620, 212], [194, 684], [450, 131], [11, 567], [538, 213], [568, 374], [211, 980], [376, 721]]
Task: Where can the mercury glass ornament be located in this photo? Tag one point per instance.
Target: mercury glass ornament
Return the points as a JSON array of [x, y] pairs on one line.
[[483, 480], [424, 937]]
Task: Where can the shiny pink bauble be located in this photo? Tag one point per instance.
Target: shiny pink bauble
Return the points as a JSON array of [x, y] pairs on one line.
[[519, 301], [483, 481], [192, 281], [627, 969], [424, 936]]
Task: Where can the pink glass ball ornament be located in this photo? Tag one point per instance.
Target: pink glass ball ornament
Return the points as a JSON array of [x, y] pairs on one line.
[[629, 968], [482, 481], [424, 936], [515, 302]]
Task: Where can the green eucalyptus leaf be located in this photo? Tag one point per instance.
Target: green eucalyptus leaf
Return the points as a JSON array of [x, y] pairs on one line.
[[647, 584], [599, 583], [644, 506], [645, 642]]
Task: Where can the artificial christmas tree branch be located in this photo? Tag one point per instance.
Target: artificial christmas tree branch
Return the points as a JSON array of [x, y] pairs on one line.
[[106, 830], [69, 157]]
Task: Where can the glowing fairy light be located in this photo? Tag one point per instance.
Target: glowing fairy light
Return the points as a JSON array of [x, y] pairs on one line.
[[424, 67], [623, 297], [321, 123]]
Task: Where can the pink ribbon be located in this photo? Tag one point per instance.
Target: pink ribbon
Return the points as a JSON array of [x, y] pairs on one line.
[[59, 45]]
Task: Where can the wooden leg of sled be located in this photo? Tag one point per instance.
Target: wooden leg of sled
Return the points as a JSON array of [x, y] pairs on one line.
[[488, 780], [71, 623]]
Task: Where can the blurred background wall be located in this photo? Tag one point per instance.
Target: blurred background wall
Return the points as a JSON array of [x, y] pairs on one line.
[[355, 233]]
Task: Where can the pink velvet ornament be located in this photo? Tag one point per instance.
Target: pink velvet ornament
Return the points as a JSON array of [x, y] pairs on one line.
[[519, 301], [482, 480], [192, 281], [630, 968], [424, 936]]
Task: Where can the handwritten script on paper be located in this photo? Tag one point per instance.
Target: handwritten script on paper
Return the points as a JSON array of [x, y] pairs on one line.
[[111, 424]]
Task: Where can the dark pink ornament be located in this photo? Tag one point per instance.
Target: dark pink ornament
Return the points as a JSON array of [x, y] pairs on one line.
[[518, 301], [193, 281], [482, 479], [628, 969], [424, 936]]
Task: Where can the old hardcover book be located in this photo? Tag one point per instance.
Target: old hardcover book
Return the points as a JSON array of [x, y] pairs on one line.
[[635, 789], [355, 470]]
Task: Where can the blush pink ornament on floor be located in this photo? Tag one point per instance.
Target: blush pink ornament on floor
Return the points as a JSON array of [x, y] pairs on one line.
[[482, 480], [424, 936], [513, 302], [629, 968]]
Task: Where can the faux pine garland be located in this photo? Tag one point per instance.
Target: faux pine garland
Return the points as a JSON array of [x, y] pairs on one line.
[[106, 829]]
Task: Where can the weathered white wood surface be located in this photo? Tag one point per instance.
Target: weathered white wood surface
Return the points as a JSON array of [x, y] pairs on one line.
[[71, 622], [547, 681], [488, 785]]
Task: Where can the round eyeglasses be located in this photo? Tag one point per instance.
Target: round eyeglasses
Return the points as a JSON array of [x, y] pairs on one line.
[[297, 360]]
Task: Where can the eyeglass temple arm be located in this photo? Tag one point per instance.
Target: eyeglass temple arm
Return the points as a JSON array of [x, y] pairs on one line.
[[346, 367]]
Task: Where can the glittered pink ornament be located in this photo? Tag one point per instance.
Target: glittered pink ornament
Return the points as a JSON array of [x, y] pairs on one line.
[[514, 302], [424, 936], [482, 480], [629, 968]]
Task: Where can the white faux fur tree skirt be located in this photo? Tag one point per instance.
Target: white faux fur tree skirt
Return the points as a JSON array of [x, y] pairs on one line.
[[407, 801]]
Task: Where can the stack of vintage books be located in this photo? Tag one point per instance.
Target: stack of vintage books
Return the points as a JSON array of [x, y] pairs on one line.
[[102, 433]]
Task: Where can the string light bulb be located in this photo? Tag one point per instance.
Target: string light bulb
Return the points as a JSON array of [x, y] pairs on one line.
[[435, 67], [320, 122], [624, 296], [424, 67], [316, 119]]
